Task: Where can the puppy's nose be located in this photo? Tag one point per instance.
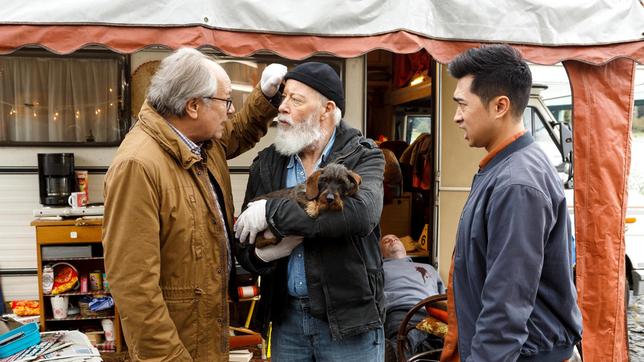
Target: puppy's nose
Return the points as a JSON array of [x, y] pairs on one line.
[[330, 197]]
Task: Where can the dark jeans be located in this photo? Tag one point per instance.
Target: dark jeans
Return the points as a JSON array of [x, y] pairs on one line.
[[302, 337]]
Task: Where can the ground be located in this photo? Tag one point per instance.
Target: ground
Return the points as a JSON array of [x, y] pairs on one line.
[[636, 329]]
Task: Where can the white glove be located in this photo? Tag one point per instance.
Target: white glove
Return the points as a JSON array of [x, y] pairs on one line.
[[272, 78], [251, 221], [279, 250]]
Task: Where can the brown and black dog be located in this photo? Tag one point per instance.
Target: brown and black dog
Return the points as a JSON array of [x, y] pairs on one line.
[[323, 191]]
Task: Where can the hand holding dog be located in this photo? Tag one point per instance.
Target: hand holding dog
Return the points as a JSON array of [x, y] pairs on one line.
[[280, 250], [272, 78], [251, 222]]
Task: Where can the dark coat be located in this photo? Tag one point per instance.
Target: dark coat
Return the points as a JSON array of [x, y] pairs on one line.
[[513, 283], [342, 258]]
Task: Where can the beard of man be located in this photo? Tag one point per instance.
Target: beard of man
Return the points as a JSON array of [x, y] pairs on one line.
[[297, 136]]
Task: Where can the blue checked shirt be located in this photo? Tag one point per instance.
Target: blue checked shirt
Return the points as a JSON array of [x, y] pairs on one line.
[[295, 175], [196, 149]]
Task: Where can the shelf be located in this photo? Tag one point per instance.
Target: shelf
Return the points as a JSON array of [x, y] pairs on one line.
[[246, 299], [78, 318], [75, 259], [73, 233], [410, 93], [93, 292], [249, 299], [78, 221]]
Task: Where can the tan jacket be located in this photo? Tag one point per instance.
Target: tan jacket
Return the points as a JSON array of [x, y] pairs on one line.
[[165, 247]]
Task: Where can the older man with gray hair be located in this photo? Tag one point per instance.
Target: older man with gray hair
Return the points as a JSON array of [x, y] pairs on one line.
[[322, 284], [169, 208]]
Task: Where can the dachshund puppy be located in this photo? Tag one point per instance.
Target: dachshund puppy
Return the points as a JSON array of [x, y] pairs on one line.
[[323, 191]]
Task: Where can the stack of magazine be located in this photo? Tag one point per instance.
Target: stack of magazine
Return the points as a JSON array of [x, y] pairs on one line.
[[63, 346], [240, 355]]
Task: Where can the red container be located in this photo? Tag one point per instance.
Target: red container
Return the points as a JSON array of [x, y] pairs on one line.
[[83, 284]]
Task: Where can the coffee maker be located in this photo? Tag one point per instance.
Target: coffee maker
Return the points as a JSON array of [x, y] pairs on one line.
[[56, 178]]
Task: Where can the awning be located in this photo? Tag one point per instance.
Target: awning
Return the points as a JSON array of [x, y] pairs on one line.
[[535, 22], [65, 39]]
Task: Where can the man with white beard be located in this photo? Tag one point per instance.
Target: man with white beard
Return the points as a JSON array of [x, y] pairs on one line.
[[322, 285]]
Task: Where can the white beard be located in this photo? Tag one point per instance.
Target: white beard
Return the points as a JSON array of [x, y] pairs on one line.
[[291, 140]]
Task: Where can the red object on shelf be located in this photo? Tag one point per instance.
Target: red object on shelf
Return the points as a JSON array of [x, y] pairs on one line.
[[245, 340], [248, 291], [65, 277], [83, 284]]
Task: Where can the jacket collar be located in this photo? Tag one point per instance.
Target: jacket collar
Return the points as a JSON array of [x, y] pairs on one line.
[[161, 131], [344, 134], [513, 147]]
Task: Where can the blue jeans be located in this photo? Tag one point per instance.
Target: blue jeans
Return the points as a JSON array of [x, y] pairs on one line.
[[302, 337]]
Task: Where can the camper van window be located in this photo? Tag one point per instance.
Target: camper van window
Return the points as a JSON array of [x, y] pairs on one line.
[[416, 124], [49, 99], [535, 124]]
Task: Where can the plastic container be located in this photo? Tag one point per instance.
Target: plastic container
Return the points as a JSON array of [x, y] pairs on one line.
[[47, 279], [29, 336], [106, 285]]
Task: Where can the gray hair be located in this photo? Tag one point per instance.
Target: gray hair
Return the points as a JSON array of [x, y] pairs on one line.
[[337, 112], [182, 76]]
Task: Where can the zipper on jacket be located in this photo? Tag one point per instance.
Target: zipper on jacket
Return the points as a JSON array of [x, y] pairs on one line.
[[343, 157]]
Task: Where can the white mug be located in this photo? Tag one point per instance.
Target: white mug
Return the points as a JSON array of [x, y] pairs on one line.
[[59, 306], [77, 199]]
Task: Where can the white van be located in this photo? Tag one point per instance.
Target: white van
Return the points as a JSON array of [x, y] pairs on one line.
[[555, 138]]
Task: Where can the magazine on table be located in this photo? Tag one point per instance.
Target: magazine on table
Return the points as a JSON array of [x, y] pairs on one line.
[[63, 346]]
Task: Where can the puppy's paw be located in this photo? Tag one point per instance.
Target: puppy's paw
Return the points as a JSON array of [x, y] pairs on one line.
[[265, 238]]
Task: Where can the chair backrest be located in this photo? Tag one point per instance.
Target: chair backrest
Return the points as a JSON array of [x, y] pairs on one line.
[[398, 147], [403, 344]]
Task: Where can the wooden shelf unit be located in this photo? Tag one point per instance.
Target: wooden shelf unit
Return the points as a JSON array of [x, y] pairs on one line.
[[72, 233]]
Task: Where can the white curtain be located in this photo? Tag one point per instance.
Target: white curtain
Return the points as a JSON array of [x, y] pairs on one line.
[[58, 100]]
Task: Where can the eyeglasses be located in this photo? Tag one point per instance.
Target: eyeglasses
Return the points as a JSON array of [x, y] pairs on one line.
[[229, 101]]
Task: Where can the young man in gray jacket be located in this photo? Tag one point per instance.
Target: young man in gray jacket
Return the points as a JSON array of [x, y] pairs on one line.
[[512, 283], [322, 285]]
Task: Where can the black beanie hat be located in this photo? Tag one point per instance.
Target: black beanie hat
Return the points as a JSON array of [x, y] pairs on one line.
[[322, 78]]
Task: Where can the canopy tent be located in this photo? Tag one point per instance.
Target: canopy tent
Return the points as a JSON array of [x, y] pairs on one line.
[[598, 42]]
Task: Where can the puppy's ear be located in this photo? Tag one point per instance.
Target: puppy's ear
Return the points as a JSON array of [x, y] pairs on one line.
[[355, 180], [312, 185]]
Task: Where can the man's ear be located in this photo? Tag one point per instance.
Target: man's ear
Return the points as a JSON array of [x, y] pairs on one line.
[[192, 107], [328, 108], [501, 106], [355, 180], [312, 185]]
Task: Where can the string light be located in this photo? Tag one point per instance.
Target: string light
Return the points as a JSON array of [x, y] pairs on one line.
[[417, 80]]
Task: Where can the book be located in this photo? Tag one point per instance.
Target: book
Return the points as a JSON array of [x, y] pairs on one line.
[[240, 355]]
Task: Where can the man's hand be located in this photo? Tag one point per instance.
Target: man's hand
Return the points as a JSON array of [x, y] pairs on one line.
[[251, 221], [279, 250], [272, 78]]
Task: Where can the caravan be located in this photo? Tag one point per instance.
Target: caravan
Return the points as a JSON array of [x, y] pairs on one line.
[[108, 54]]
